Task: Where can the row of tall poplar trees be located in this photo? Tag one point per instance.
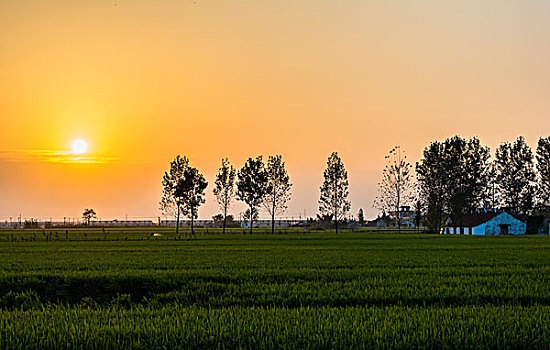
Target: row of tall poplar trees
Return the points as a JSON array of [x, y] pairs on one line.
[[257, 184]]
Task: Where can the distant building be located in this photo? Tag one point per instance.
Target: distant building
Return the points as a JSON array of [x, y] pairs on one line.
[[406, 215], [378, 222], [488, 223]]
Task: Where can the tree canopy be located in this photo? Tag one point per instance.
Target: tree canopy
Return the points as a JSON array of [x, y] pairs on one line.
[[224, 188], [252, 185], [335, 190], [278, 188], [515, 175]]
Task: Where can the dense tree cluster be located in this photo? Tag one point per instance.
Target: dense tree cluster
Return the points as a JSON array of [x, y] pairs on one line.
[[543, 167], [453, 178], [457, 176], [183, 189]]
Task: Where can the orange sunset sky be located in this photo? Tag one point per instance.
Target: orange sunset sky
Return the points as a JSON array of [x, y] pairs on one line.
[[141, 81]]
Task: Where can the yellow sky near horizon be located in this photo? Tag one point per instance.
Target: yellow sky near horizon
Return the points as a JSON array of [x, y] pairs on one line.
[[142, 81]]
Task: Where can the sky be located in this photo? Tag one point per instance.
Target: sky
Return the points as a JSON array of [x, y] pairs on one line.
[[142, 81]]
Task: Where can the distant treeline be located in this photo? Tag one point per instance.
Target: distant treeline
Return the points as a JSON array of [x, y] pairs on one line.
[[458, 176], [454, 177]]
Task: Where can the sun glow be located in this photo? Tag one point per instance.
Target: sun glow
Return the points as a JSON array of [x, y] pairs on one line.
[[79, 147]]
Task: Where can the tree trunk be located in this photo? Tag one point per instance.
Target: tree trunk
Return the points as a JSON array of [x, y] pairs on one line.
[[178, 222], [273, 217], [336, 221], [398, 219], [224, 218], [398, 212], [251, 219], [273, 212], [192, 222]]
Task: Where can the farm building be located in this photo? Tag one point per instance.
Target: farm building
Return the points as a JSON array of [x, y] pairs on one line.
[[488, 223]]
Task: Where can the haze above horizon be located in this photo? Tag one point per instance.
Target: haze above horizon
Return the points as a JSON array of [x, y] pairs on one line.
[[142, 81]]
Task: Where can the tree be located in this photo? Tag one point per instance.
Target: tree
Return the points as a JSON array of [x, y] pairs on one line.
[[515, 175], [88, 215], [334, 191], [190, 193], [224, 188], [543, 167], [361, 217], [467, 168], [246, 215], [418, 215], [170, 203], [430, 177], [220, 219], [278, 188], [453, 179], [491, 199], [395, 185], [252, 185]]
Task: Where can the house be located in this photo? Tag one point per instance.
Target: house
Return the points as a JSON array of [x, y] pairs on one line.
[[488, 223], [406, 215]]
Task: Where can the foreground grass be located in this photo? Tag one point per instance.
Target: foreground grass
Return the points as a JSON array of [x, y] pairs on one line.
[[239, 327], [294, 290]]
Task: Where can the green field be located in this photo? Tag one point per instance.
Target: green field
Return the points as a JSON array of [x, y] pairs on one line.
[[86, 289]]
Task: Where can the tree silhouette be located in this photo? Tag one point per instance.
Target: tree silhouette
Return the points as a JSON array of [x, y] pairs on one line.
[[453, 179], [252, 185], [190, 193], [430, 176], [170, 203], [418, 215], [395, 185], [220, 218], [224, 188], [246, 215], [88, 215], [467, 172], [361, 217], [543, 167], [515, 175], [334, 190], [278, 188]]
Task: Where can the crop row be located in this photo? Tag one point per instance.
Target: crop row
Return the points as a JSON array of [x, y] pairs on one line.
[[472, 327], [290, 288]]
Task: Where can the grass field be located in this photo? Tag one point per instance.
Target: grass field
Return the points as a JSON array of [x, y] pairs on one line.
[[86, 289]]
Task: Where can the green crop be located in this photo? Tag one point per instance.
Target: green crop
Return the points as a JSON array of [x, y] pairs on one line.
[[295, 290]]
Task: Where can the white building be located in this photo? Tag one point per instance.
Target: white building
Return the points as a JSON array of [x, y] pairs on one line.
[[488, 223]]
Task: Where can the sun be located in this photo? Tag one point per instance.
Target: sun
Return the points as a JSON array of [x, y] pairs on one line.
[[79, 147]]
